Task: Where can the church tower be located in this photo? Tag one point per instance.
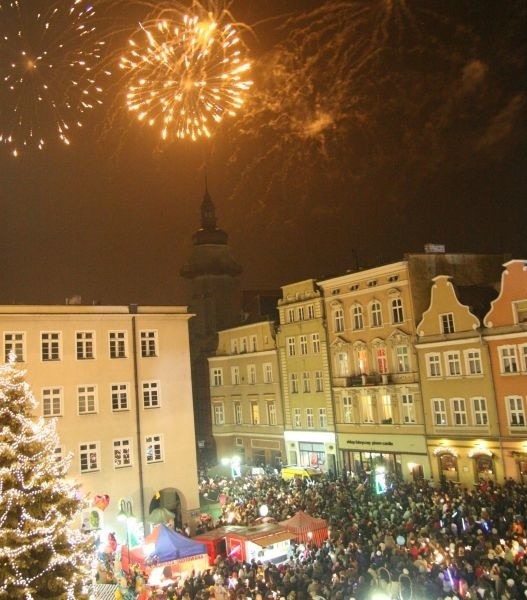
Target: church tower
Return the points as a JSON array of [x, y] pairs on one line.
[[215, 300]]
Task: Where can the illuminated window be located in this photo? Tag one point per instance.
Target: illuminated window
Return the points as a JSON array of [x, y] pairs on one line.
[[408, 408], [347, 409], [403, 359], [367, 408], [382, 360], [255, 413]]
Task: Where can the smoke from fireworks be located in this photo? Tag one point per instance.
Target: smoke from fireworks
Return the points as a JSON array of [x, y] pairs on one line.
[[47, 58]]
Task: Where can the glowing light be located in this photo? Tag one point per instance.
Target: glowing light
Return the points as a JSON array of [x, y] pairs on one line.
[[186, 73], [46, 79]]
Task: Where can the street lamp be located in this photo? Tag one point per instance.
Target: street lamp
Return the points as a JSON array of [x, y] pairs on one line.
[[126, 516]]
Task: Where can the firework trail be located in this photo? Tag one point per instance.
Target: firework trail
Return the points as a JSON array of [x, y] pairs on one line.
[[47, 61]]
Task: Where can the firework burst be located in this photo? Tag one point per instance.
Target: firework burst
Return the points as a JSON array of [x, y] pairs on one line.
[[46, 60], [186, 72]]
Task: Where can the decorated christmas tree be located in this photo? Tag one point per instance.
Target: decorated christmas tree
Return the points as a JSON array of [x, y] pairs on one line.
[[43, 553]]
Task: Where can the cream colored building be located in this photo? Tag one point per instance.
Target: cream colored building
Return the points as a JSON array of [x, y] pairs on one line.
[[117, 381], [246, 401]]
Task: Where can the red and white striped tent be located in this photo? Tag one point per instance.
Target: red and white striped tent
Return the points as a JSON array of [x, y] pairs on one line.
[[307, 528]]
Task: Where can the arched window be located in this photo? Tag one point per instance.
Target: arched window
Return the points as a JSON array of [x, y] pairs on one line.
[[357, 318], [375, 314], [338, 319]]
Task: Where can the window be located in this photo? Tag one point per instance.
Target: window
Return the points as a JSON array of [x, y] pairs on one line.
[[290, 315], [50, 343], [382, 360], [154, 448], [403, 359], [251, 374], [516, 411], [376, 314], [473, 362], [303, 344], [219, 413], [238, 414], [433, 365], [117, 344], [459, 411], [361, 354], [479, 406], [271, 413], [347, 409], [294, 383], [386, 408], [338, 320], [306, 382], [315, 343], [523, 357], [255, 413], [319, 381], [322, 418], [119, 393], [234, 346], [52, 402], [151, 394], [253, 343], [310, 311], [268, 373], [397, 310], [509, 362], [85, 345], [520, 308], [89, 457], [87, 399], [291, 346], [357, 317], [217, 376], [301, 313], [59, 454], [243, 345], [122, 453], [446, 321], [453, 364], [148, 343], [14, 343], [342, 364], [310, 418], [235, 375], [297, 418], [408, 408], [367, 409], [439, 408]]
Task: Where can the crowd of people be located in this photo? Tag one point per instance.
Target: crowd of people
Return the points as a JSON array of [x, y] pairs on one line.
[[416, 541]]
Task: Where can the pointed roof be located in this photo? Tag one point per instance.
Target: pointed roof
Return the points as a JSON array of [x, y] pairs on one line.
[[209, 233], [302, 522]]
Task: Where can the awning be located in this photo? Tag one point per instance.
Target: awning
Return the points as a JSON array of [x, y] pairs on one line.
[[269, 540]]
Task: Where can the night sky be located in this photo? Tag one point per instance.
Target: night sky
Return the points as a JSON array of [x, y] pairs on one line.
[[372, 128]]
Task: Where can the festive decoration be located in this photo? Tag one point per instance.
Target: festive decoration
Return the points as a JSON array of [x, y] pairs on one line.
[[42, 555], [101, 502]]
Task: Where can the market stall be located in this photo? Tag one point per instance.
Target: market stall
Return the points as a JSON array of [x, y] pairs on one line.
[[269, 542], [306, 528]]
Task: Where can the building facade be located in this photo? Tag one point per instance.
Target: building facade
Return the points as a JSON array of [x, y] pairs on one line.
[[117, 381]]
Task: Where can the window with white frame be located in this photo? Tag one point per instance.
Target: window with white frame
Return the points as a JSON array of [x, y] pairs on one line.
[[290, 315], [347, 409], [87, 399], [151, 397], [473, 363], [446, 322], [439, 409], [342, 365], [367, 408], [15, 344], [306, 382], [433, 365], [234, 346], [375, 314], [408, 408], [52, 402], [520, 310], [50, 345], [508, 359], [271, 412], [310, 418], [397, 310], [251, 374], [297, 418], [117, 344], [338, 320], [453, 364], [516, 411], [459, 411], [255, 412], [243, 345], [122, 453], [381, 359], [523, 357], [85, 345], [267, 372], [148, 343], [58, 454], [218, 413], [119, 395], [315, 343], [216, 376], [301, 313], [253, 343], [293, 380], [310, 311], [303, 344], [235, 375], [238, 413], [89, 457], [319, 381], [402, 354], [386, 408], [357, 317], [322, 418], [154, 448], [291, 346], [481, 415]]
